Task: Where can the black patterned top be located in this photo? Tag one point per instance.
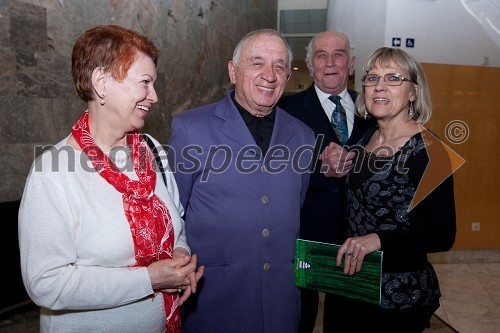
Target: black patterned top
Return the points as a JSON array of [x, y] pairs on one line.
[[380, 190]]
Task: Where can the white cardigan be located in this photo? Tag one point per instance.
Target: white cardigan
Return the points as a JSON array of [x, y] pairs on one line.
[[77, 250]]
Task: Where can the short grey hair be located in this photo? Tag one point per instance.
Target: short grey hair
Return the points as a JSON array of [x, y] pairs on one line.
[[260, 32], [309, 50]]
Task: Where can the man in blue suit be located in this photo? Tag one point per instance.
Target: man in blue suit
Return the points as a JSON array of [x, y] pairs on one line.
[[242, 168], [330, 63]]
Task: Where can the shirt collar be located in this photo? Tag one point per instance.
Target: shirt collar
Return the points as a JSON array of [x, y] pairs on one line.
[[247, 116], [324, 96]]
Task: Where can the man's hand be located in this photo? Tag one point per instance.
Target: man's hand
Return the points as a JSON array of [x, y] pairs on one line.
[[337, 161]]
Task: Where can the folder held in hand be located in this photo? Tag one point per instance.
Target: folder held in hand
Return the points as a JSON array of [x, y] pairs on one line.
[[315, 268]]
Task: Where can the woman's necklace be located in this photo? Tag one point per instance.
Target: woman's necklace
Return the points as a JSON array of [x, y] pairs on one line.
[[119, 156], [390, 146]]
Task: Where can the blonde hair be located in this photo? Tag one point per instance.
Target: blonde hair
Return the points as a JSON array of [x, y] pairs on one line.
[[385, 57]]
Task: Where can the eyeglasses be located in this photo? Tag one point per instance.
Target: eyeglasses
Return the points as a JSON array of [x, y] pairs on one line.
[[392, 79]]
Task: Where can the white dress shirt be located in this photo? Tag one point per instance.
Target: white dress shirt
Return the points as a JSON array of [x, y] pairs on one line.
[[329, 106]]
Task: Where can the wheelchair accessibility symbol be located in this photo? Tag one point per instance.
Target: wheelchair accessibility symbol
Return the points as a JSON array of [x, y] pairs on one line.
[[410, 42]]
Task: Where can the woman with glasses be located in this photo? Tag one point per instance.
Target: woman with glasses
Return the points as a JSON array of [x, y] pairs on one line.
[[393, 205]]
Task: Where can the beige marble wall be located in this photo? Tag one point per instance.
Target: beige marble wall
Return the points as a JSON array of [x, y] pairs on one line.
[[38, 103], [465, 257]]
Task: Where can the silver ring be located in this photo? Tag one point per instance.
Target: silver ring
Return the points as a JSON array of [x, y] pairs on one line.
[[348, 254], [355, 257]]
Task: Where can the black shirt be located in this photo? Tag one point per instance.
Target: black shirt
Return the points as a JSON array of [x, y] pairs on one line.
[[261, 128]]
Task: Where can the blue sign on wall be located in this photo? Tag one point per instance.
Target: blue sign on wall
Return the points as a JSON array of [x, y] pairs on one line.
[[410, 42], [396, 41]]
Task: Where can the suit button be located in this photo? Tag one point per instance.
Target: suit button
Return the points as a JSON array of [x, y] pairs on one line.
[[267, 266], [264, 199], [265, 232]]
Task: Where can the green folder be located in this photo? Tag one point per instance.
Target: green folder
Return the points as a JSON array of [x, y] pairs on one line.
[[315, 268]]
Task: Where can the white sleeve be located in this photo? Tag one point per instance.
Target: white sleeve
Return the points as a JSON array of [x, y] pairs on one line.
[[49, 220]]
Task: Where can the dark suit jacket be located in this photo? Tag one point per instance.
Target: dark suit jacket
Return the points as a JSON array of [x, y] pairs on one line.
[[322, 215]]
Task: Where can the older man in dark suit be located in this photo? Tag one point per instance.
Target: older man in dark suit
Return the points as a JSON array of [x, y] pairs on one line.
[[327, 107]]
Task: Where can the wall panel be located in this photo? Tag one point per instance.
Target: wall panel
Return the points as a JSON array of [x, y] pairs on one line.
[[468, 96]]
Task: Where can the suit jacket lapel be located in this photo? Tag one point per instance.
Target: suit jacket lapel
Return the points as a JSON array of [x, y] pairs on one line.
[[357, 131], [357, 128], [282, 132], [360, 124], [233, 125], [316, 116]]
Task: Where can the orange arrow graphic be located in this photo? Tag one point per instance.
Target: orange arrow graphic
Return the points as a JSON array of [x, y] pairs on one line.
[[443, 162]]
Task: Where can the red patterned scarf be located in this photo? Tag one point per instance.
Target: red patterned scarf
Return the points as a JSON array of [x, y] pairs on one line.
[[148, 217]]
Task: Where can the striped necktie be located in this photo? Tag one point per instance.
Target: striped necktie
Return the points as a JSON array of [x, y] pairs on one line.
[[339, 120]]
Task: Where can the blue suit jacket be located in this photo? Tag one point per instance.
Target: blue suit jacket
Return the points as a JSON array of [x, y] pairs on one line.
[[242, 217], [322, 216]]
